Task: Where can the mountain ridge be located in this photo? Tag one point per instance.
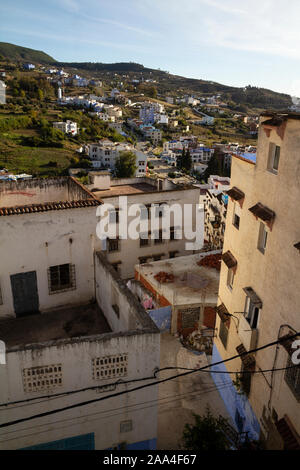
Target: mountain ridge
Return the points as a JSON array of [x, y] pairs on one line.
[[247, 96]]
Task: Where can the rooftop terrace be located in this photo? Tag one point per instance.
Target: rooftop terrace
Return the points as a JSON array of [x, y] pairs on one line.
[[62, 323], [187, 282]]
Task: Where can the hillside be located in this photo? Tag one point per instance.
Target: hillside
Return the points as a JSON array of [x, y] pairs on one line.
[[19, 53], [243, 98]]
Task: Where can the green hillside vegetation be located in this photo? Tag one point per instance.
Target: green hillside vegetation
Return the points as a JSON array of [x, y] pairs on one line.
[[242, 99], [24, 54]]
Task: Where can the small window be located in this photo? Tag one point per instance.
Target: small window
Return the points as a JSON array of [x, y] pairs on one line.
[[274, 157], [262, 238], [230, 278], [236, 216], [292, 378], [157, 257], [113, 245], [172, 254], [1, 298], [251, 313], [61, 278]]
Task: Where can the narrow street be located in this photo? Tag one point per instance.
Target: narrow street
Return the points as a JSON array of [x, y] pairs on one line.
[[180, 398]]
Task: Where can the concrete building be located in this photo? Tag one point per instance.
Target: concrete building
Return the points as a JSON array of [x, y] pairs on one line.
[[188, 285], [154, 194], [260, 276], [67, 127], [2, 92], [104, 154], [73, 331]]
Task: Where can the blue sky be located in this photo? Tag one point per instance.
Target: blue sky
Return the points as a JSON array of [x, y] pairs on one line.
[[235, 42]]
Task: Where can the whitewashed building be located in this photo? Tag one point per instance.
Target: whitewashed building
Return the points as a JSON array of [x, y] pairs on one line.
[[67, 127], [104, 154], [74, 335], [2, 92]]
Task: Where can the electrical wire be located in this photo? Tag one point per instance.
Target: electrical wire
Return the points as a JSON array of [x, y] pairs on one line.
[[157, 382], [154, 402]]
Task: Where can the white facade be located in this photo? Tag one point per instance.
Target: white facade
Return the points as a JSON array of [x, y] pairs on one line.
[[67, 127], [2, 92], [104, 154], [63, 344], [126, 253]]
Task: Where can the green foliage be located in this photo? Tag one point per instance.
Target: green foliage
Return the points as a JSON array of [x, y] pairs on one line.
[[206, 434], [126, 165], [184, 162], [24, 54]]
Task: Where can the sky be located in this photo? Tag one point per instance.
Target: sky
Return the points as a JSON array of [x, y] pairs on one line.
[[233, 42]]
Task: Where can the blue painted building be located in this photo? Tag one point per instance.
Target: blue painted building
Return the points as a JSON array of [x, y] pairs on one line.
[[237, 404]]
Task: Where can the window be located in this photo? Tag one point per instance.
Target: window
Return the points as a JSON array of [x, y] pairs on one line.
[[143, 260], [1, 299], [223, 334], [113, 245], [42, 378], [61, 278], [262, 238], [274, 157], [251, 313], [236, 216], [230, 278], [109, 367], [172, 254], [172, 233], [292, 378]]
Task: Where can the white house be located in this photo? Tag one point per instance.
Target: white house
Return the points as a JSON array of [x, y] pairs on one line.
[[2, 92], [74, 334], [67, 127], [104, 154]]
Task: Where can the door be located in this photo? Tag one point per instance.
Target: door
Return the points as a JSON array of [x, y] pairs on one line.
[[25, 293]]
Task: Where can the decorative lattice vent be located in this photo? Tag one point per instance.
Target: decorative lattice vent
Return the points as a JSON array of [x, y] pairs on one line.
[[109, 367], [42, 378]]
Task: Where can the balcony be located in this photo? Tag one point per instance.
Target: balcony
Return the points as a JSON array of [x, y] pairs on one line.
[[248, 336]]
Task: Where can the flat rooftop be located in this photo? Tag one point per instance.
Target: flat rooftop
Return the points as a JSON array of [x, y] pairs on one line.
[[126, 189], [190, 284], [63, 323]]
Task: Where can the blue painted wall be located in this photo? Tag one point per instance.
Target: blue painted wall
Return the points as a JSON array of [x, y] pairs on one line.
[[83, 442], [162, 317], [237, 405]]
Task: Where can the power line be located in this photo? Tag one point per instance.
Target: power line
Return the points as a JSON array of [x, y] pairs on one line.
[[174, 399], [88, 402]]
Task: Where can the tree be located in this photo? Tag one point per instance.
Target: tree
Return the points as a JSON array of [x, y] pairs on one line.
[[126, 165], [206, 434], [187, 161]]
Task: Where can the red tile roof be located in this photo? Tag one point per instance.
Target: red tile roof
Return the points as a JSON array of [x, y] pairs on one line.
[[48, 206]]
